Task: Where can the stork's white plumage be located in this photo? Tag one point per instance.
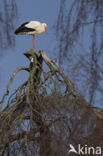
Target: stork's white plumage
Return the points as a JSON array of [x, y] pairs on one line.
[[32, 28]]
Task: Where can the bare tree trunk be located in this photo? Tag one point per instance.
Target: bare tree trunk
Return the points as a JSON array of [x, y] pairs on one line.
[[33, 99]]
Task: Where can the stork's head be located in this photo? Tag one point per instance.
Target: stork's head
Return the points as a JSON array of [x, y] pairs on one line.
[[45, 27]]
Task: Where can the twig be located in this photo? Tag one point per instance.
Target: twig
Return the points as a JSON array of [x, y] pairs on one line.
[[9, 83]]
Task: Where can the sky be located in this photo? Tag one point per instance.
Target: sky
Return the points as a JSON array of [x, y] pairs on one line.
[[45, 11]]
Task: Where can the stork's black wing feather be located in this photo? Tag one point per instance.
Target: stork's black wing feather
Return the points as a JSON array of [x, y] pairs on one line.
[[24, 24], [23, 29]]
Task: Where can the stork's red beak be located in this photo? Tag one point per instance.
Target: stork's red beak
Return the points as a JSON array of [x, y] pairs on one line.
[[46, 30]]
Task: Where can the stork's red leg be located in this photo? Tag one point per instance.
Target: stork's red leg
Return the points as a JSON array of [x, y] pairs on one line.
[[33, 40]]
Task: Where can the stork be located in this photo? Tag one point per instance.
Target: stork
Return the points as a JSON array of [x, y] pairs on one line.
[[32, 28]]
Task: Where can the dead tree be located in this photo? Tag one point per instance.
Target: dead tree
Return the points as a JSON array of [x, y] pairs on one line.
[[43, 111]]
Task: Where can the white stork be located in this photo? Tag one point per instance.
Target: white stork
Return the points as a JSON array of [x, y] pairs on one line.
[[32, 28]]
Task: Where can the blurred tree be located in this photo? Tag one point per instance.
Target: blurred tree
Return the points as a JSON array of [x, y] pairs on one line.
[[79, 32], [8, 13]]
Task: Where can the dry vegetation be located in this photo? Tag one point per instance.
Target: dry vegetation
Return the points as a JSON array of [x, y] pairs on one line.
[[47, 113]]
